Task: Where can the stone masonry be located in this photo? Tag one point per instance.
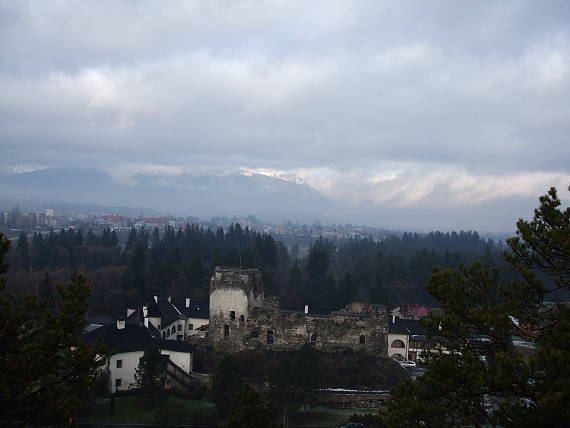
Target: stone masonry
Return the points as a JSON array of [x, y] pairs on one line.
[[241, 318]]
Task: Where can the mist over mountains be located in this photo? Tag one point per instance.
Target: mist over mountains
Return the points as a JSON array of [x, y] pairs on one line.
[[241, 193], [184, 194]]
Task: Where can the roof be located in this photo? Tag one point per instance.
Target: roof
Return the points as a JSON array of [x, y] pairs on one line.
[[401, 326], [175, 345], [99, 319], [197, 309], [137, 318], [133, 337], [164, 309], [412, 311]]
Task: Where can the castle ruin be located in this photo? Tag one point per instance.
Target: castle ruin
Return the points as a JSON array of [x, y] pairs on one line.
[[242, 318]]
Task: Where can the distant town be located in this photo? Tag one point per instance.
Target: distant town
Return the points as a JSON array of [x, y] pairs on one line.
[[15, 220]]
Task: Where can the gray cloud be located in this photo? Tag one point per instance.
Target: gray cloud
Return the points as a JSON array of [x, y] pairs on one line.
[[409, 103]]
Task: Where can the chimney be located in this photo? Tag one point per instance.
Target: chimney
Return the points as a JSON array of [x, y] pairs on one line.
[[393, 319], [155, 299], [145, 311], [187, 302], [146, 322], [169, 299], [120, 323], [306, 309]]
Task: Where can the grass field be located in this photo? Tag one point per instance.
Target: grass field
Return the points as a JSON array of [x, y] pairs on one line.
[[325, 417], [182, 411], [133, 410]]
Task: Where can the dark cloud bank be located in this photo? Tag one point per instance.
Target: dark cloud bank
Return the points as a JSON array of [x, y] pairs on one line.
[[416, 115]]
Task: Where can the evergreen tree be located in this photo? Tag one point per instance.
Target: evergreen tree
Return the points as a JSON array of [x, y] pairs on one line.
[[45, 369], [47, 291], [480, 315], [22, 257], [317, 262], [150, 376], [227, 383], [253, 411]]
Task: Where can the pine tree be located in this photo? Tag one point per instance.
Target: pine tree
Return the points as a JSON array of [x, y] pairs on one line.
[[227, 383], [481, 313], [22, 257], [45, 369], [150, 376]]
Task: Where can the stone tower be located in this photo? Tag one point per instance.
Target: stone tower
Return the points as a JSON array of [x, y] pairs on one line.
[[233, 293]]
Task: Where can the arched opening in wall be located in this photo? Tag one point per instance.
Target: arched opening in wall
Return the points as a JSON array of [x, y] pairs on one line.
[[163, 335], [313, 337], [398, 344], [226, 330], [398, 357], [242, 318], [269, 337], [362, 340], [232, 315]]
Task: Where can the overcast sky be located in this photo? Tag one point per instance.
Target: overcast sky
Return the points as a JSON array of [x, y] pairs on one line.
[[441, 107]]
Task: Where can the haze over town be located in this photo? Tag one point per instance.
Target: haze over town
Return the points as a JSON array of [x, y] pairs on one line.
[[414, 117]]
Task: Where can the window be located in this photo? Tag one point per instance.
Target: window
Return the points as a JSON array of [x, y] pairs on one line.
[[179, 327], [232, 315], [242, 318], [119, 364], [190, 326], [313, 337], [226, 330], [269, 337], [398, 344], [362, 340], [117, 383]]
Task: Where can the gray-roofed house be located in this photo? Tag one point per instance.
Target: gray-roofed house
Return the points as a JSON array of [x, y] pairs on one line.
[[127, 342], [173, 321]]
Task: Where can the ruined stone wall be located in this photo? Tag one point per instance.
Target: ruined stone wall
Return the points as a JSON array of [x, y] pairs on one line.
[[274, 329], [241, 319]]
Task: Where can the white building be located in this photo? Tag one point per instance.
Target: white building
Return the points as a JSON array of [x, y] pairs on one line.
[[173, 320], [127, 343], [407, 339]]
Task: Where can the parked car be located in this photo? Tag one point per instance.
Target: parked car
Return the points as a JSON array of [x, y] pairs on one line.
[[408, 364]]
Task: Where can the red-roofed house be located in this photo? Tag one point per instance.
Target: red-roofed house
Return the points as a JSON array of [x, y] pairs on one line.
[[410, 312]]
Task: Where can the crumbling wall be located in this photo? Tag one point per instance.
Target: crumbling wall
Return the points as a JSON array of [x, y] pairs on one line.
[[279, 330], [242, 319]]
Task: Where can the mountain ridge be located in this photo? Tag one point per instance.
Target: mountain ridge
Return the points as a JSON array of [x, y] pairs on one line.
[[181, 194]]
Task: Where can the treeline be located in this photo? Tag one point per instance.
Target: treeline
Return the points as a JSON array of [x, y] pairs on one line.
[[173, 262], [179, 263], [66, 249], [390, 271]]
